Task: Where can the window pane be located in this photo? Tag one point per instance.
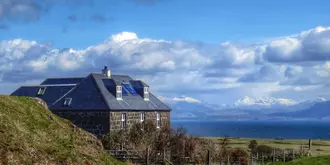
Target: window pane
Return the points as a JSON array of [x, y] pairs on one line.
[[158, 120], [123, 120]]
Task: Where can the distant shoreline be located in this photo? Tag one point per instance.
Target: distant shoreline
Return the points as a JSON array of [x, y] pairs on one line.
[[262, 129]]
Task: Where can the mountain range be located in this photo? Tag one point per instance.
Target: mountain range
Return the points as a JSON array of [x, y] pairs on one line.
[[187, 108]]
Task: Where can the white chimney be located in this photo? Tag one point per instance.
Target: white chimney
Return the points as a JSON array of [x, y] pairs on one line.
[[106, 72]]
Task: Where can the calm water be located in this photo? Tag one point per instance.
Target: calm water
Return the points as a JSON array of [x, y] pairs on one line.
[[258, 129]]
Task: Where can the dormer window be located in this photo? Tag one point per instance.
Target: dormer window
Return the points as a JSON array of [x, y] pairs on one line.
[[145, 93], [119, 94], [146, 96], [145, 89], [41, 91], [67, 101], [119, 88]]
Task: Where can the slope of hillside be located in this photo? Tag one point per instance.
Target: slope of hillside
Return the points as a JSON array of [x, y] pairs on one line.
[[31, 134]]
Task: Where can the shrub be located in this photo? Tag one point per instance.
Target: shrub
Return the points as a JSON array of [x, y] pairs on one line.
[[239, 156]]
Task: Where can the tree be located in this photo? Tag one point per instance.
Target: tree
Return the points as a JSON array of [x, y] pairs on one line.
[[253, 145], [224, 148]]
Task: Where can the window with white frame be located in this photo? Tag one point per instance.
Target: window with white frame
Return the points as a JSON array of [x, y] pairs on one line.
[[41, 91], [146, 96], [119, 94], [145, 89], [119, 88], [123, 120], [142, 116], [67, 101], [158, 119]]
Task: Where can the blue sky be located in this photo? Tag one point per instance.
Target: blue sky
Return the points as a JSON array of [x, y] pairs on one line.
[[210, 21], [216, 49]]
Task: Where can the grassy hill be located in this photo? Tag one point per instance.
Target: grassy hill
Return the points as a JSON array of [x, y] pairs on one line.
[[31, 134], [320, 160]]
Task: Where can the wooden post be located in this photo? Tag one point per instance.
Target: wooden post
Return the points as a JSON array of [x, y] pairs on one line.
[[164, 156], [251, 157], [283, 155], [228, 162], [147, 157], [293, 156], [273, 155], [208, 157], [309, 147], [257, 156], [262, 158]]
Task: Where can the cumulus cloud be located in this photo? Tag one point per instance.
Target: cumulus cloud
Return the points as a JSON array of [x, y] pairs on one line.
[[292, 71], [179, 66], [311, 45], [266, 73]]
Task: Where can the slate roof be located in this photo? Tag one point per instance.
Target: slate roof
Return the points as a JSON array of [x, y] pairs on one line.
[[52, 81], [94, 92], [52, 93]]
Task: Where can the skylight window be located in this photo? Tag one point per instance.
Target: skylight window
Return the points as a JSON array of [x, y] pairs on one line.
[[67, 101], [41, 91], [130, 89]]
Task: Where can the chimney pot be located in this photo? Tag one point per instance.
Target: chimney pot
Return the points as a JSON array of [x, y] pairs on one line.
[[106, 72]]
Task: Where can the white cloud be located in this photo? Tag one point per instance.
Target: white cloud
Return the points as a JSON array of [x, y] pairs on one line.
[[310, 45], [182, 67]]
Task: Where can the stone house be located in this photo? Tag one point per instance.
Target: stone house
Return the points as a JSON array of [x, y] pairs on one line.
[[100, 102]]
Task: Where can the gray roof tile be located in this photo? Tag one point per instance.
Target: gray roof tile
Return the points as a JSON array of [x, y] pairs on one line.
[[50, 81], [52, 93], [96, 92]]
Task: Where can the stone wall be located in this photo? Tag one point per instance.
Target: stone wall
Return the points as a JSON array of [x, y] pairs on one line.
[[101, 122], [96, 122], [134, 117]]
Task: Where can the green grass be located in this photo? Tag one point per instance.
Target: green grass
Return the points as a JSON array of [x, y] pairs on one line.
[[319, 147], [31, 134], [320, 160]]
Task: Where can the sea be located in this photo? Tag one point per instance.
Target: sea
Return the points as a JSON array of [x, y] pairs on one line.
[[270, 129]]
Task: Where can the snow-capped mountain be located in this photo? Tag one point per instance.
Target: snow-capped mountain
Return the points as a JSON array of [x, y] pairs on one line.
[[263, 102], [246, 107]]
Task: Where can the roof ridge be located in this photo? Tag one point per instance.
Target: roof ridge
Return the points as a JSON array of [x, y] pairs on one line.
[[49, 85], [64, 77]]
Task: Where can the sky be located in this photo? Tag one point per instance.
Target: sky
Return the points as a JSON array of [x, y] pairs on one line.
[[211, 50]]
